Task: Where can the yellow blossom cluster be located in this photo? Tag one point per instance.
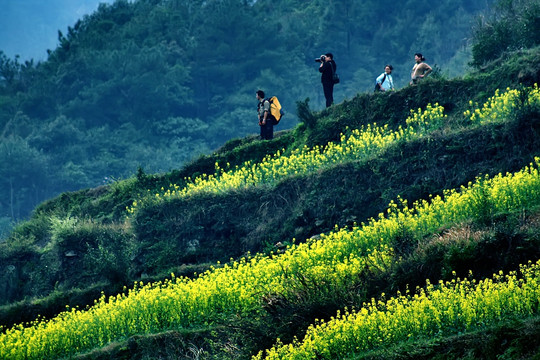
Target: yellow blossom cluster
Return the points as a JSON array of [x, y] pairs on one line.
[[321, 267], [431, 118], [359, 144], [448, 308], [501, 105]]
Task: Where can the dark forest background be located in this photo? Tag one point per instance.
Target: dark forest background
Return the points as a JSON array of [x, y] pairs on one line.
[[149, 85]]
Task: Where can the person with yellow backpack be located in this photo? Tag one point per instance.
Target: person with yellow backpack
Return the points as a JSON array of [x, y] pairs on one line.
[[269, 113]]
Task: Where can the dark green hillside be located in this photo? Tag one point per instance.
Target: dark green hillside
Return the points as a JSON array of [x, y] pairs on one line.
[[83, 244], [76, 245], [306, 206], [153, 84]]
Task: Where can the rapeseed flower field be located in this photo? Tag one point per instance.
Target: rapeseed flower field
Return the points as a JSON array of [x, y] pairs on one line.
[[333, 262], [446, 308]]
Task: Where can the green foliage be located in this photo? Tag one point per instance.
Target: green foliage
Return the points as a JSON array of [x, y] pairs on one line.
[[104, 251], [188, 235], [511, 25], [158, 83], [22, 170], [508, 340], [73, 253], [304, 113]]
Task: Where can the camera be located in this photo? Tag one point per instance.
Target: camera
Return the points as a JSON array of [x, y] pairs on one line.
[[322, 58]]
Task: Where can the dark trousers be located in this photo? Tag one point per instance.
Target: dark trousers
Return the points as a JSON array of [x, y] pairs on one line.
[[328, 89], [267, 130]]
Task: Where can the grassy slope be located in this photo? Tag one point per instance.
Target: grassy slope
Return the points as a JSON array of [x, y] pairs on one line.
[[304, 206]]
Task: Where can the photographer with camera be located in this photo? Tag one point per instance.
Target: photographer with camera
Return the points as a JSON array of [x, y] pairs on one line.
[[327, 69]]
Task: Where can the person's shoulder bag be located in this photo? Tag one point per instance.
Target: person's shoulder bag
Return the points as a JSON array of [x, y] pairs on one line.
[[378, 87]]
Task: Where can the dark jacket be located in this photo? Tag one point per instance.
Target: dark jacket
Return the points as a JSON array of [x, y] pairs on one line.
[[327, 73]]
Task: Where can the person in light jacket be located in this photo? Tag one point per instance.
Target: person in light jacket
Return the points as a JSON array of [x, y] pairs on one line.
[[385, 82]]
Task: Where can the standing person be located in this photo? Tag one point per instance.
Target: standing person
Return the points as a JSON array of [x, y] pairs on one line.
[[327, 69], [385, 81], [263, 112], [420, 69]]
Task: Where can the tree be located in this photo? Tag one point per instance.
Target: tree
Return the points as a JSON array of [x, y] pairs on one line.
[[22, 177]]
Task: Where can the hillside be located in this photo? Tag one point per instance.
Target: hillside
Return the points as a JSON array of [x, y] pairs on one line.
[[81, 244], [153, 84], [387, 226]]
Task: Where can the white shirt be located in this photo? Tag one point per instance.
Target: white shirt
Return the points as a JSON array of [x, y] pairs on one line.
[[388, 83]]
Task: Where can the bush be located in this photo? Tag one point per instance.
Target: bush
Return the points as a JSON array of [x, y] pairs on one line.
[[513, 25]]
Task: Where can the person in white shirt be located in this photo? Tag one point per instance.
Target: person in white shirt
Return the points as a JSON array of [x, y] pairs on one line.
[[385, 81]]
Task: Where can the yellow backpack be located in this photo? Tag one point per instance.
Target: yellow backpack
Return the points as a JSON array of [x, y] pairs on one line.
[[275, 109]]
